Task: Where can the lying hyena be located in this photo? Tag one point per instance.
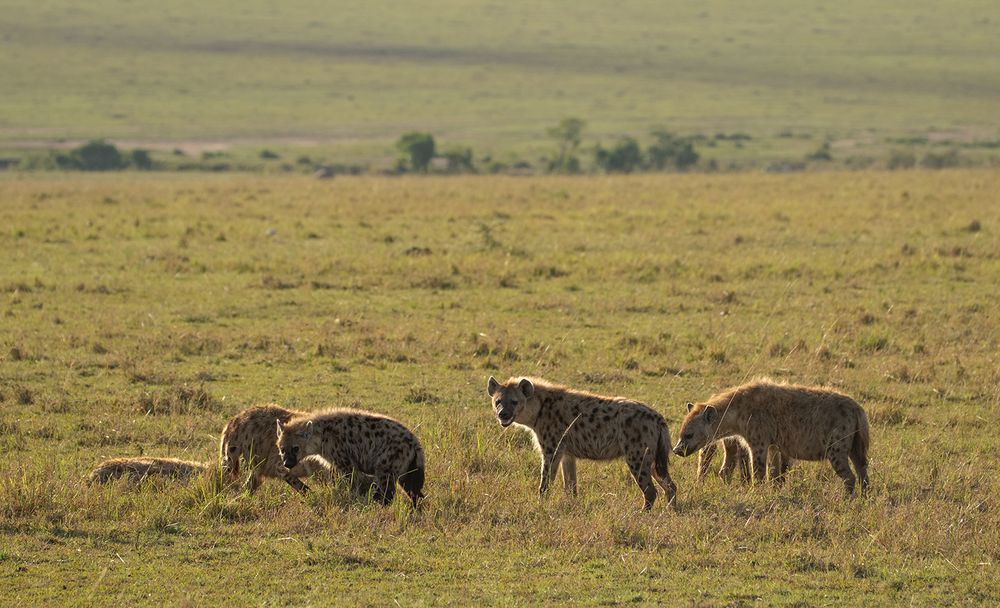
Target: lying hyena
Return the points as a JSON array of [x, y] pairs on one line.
[[735, 454], [568, 424], [805, 423], [251, 437], [138, 468], [362, 444]]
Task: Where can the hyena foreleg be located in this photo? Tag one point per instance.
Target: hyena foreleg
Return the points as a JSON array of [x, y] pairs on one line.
[[568, 466], [550, 464]]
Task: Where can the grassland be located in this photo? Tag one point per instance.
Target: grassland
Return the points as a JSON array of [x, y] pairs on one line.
[[137, 315], [347, 80]]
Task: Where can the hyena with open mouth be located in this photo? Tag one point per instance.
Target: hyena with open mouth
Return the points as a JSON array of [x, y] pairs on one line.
[[568, 424]]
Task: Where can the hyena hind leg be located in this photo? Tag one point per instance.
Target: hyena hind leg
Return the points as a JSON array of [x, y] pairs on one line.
[[842, 468], [641, 469], [861, 466]]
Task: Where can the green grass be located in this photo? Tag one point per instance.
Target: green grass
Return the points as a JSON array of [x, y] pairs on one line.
[[349, 80], [404, 295]]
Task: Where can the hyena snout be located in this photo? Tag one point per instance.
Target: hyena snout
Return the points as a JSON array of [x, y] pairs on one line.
[[289, 460], [505, 417], [682, 449]]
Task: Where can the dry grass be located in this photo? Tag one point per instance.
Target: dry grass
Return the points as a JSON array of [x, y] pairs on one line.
[[664, 289]]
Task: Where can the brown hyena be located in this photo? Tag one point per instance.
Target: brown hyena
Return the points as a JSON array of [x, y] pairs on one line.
[[250, 438], [361, 444], [735, 454], [804, 423], [138, 468], [568, 424]]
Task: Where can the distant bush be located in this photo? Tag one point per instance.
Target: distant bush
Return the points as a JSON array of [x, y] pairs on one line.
[[269, 155], [943, 160], [624, 157], [460, 160], [670, 150], [140, 159], [420, 148], [822, 153], [568, 134], [97, 155], [901, 159]]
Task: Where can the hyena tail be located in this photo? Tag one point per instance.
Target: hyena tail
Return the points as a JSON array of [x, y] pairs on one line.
[[412, 481], [859, 449], [662, 460]]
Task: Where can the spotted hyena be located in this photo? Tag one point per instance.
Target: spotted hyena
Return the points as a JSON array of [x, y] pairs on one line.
[[250, 439], [362, 444], [567, 424], [138, 468], [803, 422], [736, 455]]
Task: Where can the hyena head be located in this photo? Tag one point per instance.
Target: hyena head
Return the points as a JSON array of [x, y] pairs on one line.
[[512, 402], [295, 442], [698, 429]]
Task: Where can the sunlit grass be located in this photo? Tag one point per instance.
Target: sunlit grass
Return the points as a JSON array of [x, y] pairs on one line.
[[137, 315]]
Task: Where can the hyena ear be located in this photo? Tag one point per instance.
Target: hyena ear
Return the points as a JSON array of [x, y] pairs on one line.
[[710, 413], [690, 406], [309, 430], [527, 388], [491, 386]]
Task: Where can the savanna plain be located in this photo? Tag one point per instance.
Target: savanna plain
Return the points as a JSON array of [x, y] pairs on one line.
[[138, 313]]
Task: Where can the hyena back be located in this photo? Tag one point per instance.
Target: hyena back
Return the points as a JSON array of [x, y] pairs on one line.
[[138, 468], [567, 424], [803, 422], [364, 445], [736, 455], [250, 438]]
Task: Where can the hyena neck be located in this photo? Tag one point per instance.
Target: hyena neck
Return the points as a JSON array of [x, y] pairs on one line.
[[531, 419], [731, 422]]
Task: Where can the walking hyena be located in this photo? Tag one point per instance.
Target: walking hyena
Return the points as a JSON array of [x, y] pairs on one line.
[[805, 423], [363, 444], [138, 468], [735, 454], [250, 438], [568, 424]]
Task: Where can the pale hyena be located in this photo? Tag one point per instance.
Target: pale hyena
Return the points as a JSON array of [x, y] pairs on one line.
[[250, 438], [568, 424], [138, 468], [803, 422]]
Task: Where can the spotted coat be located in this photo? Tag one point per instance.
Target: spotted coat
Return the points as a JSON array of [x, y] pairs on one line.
[[568, 424], [363, 445]]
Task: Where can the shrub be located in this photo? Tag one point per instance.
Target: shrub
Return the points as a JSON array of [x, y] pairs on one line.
[[822, 153], [901, 159], [420, 147], [460, 160], [140, 159], [96, 155], [568, 134], [934, 160], [669, 150], [624, 157]]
